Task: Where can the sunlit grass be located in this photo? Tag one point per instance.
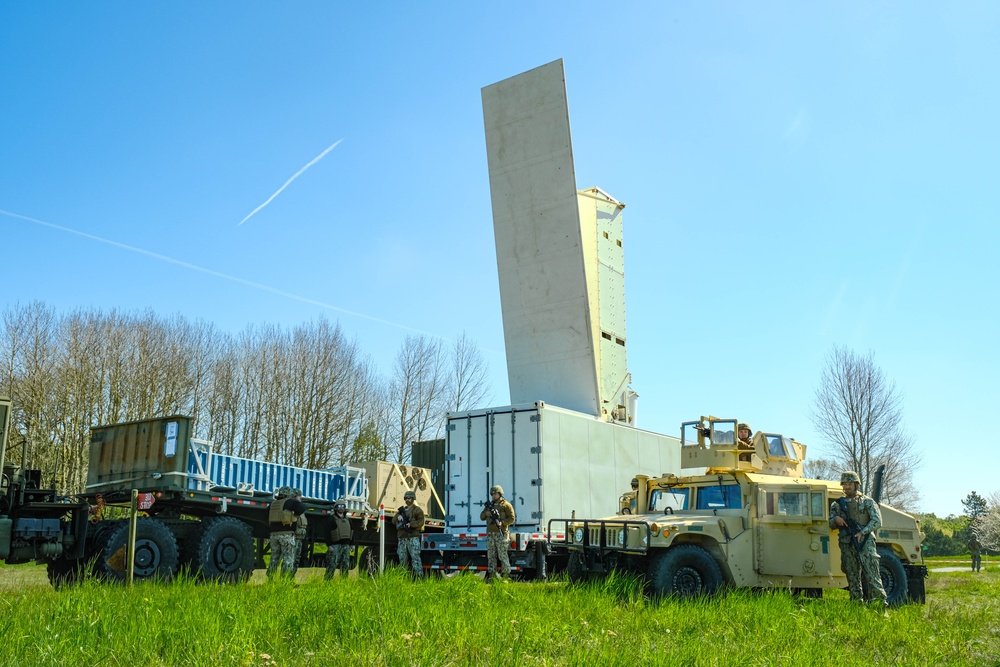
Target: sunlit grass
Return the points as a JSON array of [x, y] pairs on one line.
[[391, 620]]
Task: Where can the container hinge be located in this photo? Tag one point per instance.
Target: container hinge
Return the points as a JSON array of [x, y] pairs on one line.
[[536, 450], [536, 482], [450, 457], [450, 427], [450, 518], [536, 418], [536, 515]]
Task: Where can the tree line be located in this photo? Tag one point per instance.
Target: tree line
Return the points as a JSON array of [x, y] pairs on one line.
[[305, 396]]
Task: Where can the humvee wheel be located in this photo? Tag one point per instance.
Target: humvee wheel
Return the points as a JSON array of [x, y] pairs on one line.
[[893, 577], [575, 569], [685, 570]]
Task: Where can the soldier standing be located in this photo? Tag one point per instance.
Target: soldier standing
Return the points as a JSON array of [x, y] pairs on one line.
[[499, 515], [628, 500], [409, 526], [338, 554], [857, 517], [283, 518], [975, 549]]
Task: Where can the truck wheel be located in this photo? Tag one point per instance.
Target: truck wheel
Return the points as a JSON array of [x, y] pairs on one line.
[[576, 569], [155, 552], [222, 550], [63, 572], [685, 570], [893, 577]]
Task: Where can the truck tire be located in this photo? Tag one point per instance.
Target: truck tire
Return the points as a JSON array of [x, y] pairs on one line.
[[64, 572], [155, 552], [685, 570], [893, 576], [222, 550]]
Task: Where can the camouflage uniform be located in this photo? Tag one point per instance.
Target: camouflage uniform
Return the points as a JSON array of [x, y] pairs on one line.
[[338, 554], [745, 445], [285, 515], [497, 537], [409, 526], [859, 561], [975, 548]]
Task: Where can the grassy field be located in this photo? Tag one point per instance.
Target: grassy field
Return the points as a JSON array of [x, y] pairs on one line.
[[463, 621]]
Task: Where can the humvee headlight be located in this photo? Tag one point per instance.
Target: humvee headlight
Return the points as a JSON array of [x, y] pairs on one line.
[[578, 535], [621, 538], [655, 528]]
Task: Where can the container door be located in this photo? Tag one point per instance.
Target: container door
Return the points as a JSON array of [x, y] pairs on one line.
[[487, 448]]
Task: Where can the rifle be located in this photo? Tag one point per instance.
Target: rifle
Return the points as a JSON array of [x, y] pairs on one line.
[[494, 514], [851, 526]]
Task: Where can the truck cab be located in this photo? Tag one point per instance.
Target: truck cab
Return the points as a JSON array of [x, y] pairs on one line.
[[746, 518]]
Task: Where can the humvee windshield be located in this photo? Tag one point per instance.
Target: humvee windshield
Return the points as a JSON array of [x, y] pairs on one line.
[[661, 499], [726, 496]]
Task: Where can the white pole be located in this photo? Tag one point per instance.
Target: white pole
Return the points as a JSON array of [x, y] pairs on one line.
[[130, 552], [381, 538]]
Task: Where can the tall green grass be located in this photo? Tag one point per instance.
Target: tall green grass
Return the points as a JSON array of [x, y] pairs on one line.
[[391, 620]]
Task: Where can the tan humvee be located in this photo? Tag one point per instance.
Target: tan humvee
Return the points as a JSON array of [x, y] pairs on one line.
[[751, 520]]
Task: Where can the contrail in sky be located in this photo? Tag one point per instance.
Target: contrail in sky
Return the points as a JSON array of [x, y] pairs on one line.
[[289, 181], [217, 274]]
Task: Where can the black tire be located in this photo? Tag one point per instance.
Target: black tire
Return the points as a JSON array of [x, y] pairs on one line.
[[685, 570], [893, 577], [222, 549], [155, 552], [64, 572], [576, 569]]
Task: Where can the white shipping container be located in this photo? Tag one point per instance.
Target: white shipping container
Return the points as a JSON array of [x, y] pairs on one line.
[[550, 461]]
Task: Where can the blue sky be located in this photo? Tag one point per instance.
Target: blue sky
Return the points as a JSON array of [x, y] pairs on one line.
[[797, 176]]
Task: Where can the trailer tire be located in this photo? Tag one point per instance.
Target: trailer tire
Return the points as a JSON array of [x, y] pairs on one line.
[[685, 570], [222, 550], [155, 552], [894, 579]]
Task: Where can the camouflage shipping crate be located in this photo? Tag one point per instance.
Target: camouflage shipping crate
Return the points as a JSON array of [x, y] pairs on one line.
[[150, 454], [387, 482]]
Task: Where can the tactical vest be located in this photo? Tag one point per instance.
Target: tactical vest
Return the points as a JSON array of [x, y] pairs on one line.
[[859, 516], [277, 513], [340, 531]]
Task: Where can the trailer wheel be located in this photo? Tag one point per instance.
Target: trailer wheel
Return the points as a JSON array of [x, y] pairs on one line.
[[893, 576], [222, 550], [155, 552], [685, 570]]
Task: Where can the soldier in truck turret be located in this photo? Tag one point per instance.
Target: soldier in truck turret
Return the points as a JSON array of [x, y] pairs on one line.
[[744, 436]]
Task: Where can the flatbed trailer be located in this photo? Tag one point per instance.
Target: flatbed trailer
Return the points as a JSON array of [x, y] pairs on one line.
[[202, 511]]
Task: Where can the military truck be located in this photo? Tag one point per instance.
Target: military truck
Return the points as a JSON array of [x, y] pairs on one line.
[[202, 510], [748, 518]]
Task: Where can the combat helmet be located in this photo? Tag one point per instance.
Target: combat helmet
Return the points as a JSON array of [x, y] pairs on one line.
[[850, 476], [635, 483], [409, 494], [339, 505], [496, 488], [283, 492], [743, 425]]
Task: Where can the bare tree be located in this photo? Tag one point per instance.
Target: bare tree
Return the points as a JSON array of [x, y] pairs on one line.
[[417, 395], [822, 469], [469, 375], [859, 411]]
